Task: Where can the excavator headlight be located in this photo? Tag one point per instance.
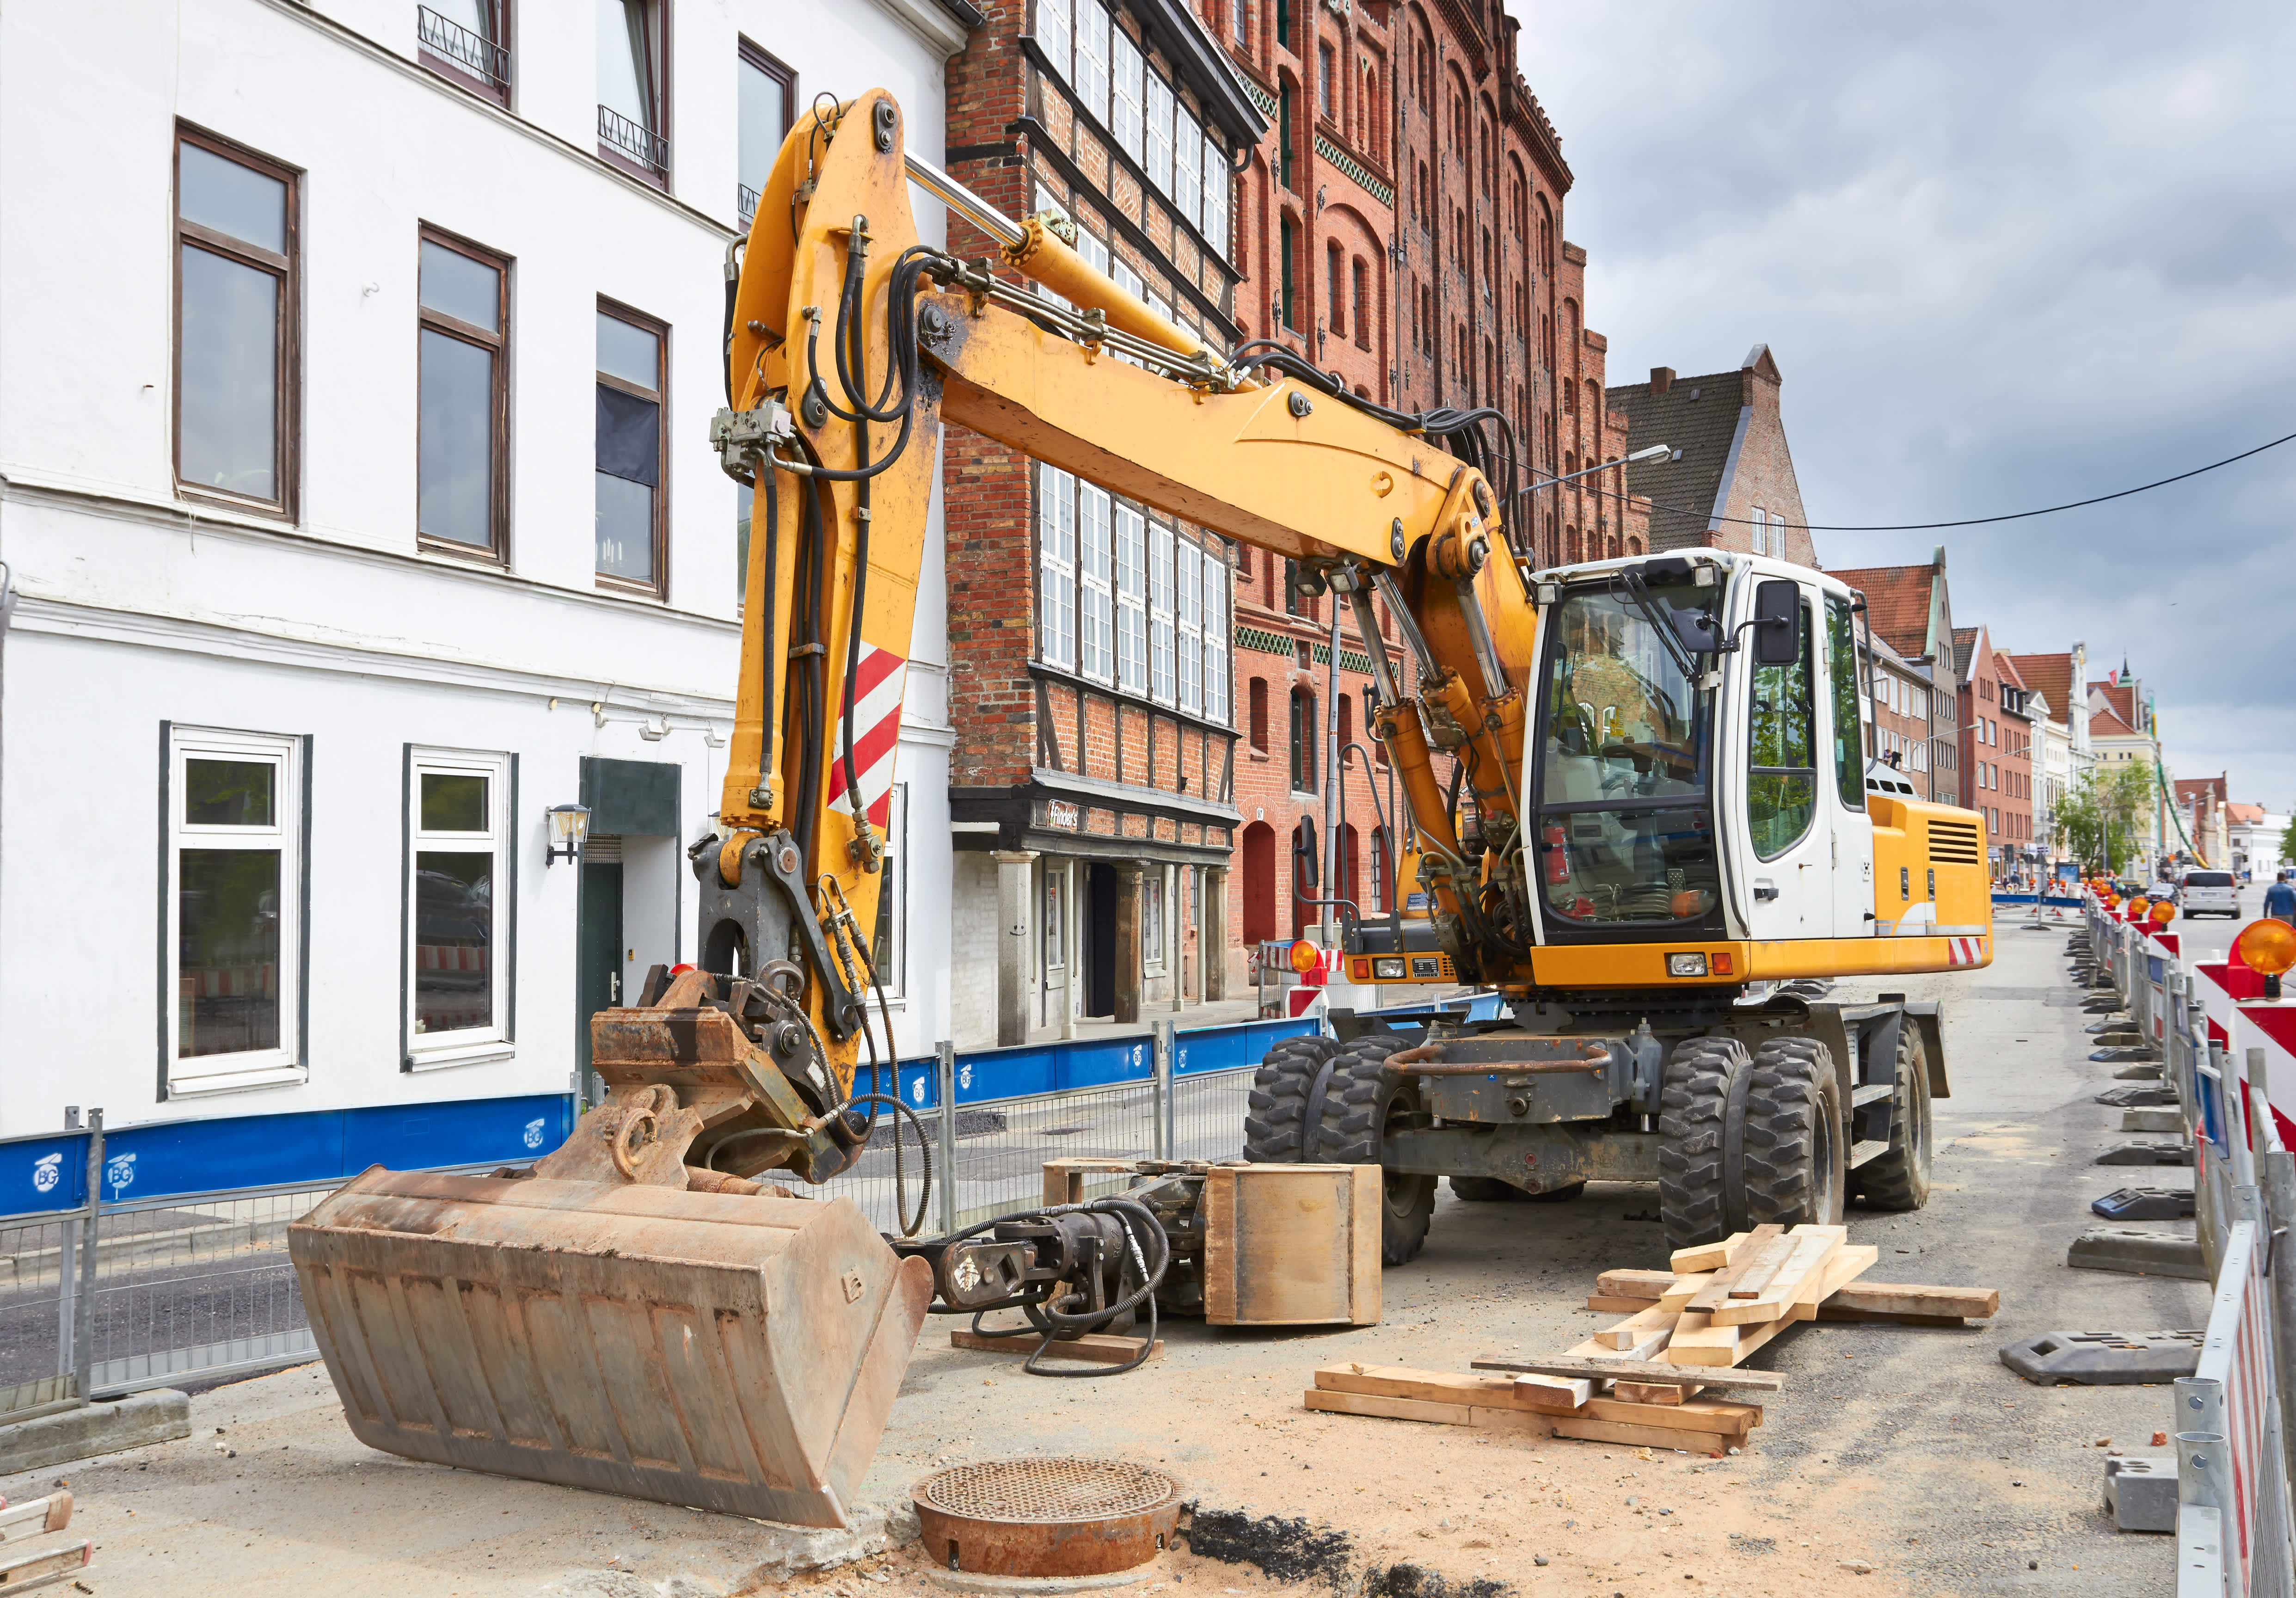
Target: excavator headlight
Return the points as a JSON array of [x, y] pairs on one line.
[[1305, 956], [1685, 965], [1388, 967]]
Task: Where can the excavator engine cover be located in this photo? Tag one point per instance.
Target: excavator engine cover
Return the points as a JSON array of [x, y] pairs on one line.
[[730, 1351]]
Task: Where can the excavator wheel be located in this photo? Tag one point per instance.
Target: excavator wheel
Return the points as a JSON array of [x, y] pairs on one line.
[[1795, 1159], [1275, 1126], [1704, 1075], [1484, 1190], [1900, 1178], [1361, 1105]]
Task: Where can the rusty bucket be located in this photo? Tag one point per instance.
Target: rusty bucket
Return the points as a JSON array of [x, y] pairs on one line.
[[730, 1351]]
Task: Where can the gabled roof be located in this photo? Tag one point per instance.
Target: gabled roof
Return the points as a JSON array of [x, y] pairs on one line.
[[1964, 647], [2122, 697], [2006, 668], [2190, 788], [2050, 677], [1898, 599], [2107, 724], [2241, 814], [1698, 417]]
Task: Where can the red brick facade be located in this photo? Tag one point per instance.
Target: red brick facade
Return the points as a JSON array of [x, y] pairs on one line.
[[1997, 747]]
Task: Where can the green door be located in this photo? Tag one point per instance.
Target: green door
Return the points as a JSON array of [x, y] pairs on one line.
[[597, 953]]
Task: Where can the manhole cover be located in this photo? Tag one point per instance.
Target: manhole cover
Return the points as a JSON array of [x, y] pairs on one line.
[[1046, 1517]]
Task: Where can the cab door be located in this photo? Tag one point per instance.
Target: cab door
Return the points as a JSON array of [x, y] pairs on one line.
[[1852, 867], [1785, 855]]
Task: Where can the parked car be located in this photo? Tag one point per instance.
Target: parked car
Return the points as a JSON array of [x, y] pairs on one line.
[[2208, 893]]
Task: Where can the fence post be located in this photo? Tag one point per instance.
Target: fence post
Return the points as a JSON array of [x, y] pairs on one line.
[[1160, 1096], [945, 1089], [68, 1297], [84, 1333], [2279, 1262]]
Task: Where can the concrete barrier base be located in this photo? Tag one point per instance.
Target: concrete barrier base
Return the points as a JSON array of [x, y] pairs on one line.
[[159, 1416], [2139, 1253]]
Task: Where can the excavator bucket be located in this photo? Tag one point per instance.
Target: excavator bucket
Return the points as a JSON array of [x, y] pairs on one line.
[[728, 1350]]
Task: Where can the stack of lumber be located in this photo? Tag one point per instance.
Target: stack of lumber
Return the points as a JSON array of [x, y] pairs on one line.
[[31, 1555], [1686, 1329], [1543, 1406]]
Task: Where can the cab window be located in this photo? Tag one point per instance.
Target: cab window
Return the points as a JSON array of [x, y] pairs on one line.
[[1842, 680], [1782, 721]]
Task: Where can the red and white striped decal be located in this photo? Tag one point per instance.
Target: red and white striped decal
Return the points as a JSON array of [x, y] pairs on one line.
[[1964, 951], [876, 730]]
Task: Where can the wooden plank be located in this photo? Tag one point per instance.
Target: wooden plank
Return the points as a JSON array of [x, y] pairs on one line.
[[1291, 1245], [1633, 1370], [1064, 1177], [1829, 1311], [1616, 1306], [1536, 1423], [1744, 1256], [1705, 1257], [1840, 1271], [1756, 1273], [1646, 1436], [1731, 1419], [1634, 1284], [1812, 1247], [1652, 1392], [41, 1563], [1637, 1329], [1451, 1387], [1390, 1409], [1890, 1298], [1096, 1347], [1594, 1348], [1682, 1289], [51, 1513]]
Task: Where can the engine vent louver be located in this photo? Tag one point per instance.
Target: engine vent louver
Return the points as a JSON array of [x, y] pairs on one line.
[[1954, 843]]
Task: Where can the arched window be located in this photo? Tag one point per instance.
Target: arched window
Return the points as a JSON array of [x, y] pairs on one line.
[[1380, 885], [1347, 709], [1305, 851], [1336, 278], [1258, 883], [1259, 721], [1570, 546], [1363, 303], [1633, 546]]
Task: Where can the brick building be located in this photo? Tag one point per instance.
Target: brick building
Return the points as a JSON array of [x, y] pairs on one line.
[[1996, 739], [1729, 482], [1091, 781], [1910, 608], [2061, 727], [1904, 714]]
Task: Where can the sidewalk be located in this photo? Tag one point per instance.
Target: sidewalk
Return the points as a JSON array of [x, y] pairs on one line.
[[1223, 1012]]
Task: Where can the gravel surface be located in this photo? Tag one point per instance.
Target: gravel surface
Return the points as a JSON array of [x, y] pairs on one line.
[[1898, 1460]]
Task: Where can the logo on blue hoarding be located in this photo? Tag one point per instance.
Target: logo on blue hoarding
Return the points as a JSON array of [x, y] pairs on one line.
[[534, 1132], [965, 1075], [47, 1170], [917, 1092], [119, 1172]]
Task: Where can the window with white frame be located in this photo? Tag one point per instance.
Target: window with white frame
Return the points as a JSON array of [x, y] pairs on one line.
[[1217, 197], [888, 942], [458, 905], [1187, 158], [1055, 29], [1216, 638], [1188, 578], [1125, 93], [236, 826], [1056, 873], [1152, 918], [1057, 619], [1160, 614], [1131, 599], [1095, 622], [1131, 282], [1156, 140], [1093, 248], [1091, 80]]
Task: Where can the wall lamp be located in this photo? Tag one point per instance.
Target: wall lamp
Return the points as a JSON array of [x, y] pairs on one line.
[[570, 824]]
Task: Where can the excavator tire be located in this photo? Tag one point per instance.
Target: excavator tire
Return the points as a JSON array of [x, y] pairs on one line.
[[1900, 1178], [1484, 1190], [1693, 1201], [1275, 1124], [1795, 1160], [1361, 1103]]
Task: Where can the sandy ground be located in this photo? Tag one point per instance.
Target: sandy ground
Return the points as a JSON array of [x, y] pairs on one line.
[[1912, 1452]]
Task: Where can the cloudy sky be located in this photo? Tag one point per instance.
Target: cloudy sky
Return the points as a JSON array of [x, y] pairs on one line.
[[2006, 256]]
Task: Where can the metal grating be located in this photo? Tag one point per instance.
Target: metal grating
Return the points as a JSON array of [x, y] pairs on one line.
[[1047, 1491], [1954, 843]]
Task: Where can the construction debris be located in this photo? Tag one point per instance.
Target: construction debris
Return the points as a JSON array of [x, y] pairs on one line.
[[1637, 1382], [30, 1555]]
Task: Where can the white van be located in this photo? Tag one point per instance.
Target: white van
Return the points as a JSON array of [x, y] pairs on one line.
[[2208, 893]]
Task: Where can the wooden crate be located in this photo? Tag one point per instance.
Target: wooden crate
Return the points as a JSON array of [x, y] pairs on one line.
[[1291, 1245]]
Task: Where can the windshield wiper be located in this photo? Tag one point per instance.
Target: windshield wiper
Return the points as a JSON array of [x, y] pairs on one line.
[[1639, 591]]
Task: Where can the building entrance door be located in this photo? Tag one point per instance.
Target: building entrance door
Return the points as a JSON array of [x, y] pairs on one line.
[[598, 951], [1100, 939]]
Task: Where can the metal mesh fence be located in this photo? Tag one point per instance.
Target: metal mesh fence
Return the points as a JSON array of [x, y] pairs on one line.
[[197, 1286], [40, 1267]]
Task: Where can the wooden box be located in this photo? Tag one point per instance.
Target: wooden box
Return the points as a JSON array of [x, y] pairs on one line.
[[1291, 1245]]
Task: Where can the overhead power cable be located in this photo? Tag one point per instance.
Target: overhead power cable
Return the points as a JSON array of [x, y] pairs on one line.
[[1924, 527]]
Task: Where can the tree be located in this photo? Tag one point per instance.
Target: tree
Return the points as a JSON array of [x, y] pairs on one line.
[[2097, 821], [2288, 842]]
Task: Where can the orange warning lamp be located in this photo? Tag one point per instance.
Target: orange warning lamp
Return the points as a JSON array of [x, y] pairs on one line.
[[1305, 956], [2163, 912], [2268, 947]]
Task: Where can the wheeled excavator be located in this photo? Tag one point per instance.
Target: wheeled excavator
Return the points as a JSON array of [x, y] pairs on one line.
[[1637, 800]]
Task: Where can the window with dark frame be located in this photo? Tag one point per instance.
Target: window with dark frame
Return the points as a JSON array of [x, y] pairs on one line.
[[235, 322], [1303, 740], [463, 415], [767, 108], [634, 86], [632, 499], [467, 41], [1258, 714]]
